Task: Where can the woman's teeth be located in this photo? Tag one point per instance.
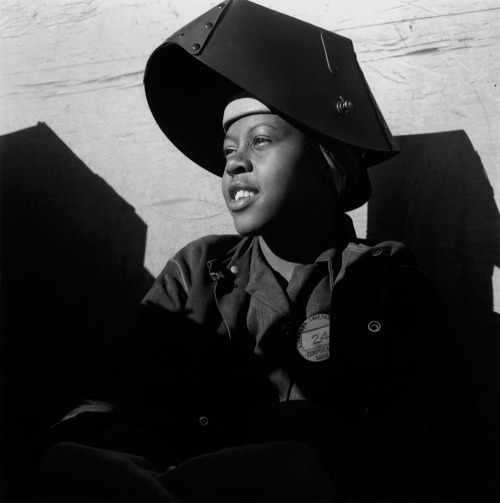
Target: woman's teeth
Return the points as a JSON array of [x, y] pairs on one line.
[[243, 193]]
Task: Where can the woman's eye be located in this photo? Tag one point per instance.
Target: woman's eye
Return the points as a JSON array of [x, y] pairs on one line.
[[260, 141], [228, 151]]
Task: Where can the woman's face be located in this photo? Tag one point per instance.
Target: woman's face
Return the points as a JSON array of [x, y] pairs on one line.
[[272, 180]]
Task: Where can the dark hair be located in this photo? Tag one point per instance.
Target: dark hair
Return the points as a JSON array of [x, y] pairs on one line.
[[350, 175]]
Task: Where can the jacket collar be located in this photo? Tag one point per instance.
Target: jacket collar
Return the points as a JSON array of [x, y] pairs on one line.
[[219, 267], [231, 273], [242, 249]]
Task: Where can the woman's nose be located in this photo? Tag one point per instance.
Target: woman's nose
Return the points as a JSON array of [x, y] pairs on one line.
[[238, 163]]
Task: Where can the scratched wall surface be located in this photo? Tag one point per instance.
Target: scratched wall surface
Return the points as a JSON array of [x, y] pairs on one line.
[[77, 66], [98, 199]]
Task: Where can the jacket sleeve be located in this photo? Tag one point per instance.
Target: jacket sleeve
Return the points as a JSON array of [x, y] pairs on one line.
[[137, 379], [171, 288], [417, 440]]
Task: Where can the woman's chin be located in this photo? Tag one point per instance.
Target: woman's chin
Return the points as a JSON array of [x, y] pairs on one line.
[[244, 228], [248, 233]]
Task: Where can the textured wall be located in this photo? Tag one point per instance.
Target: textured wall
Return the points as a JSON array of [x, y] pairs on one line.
[[77, 65], [94, 198]]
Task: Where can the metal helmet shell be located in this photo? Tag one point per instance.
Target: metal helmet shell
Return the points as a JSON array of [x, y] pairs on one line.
[[307, 74]]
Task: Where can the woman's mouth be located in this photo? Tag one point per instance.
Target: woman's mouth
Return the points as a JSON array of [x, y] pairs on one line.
[[241, 197], [243, 194]]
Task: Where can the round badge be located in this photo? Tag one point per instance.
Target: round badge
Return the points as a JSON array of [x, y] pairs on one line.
[[313, 341]]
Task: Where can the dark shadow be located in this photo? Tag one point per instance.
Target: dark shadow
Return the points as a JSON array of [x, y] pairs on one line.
[[72, 253], [436, 198]]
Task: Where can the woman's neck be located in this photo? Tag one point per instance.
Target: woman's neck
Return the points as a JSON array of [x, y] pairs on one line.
[[282, 266], [284, 254]]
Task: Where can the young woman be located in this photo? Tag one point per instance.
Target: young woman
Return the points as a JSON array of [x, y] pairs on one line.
[[289, 362]]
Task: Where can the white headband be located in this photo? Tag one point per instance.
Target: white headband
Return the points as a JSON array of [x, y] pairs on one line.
[[242, 107]]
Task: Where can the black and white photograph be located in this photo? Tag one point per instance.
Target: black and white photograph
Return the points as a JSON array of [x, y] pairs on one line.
[[250, 251]]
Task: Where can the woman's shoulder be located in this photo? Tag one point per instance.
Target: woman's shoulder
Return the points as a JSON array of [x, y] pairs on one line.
[[393, 251], [392, 259], [198, 254], [210, 246]]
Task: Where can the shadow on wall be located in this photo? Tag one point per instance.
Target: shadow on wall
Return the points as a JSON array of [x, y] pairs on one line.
[[436, 198], [72, 253]]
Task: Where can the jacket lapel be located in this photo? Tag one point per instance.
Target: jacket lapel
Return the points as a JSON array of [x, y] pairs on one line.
[[231, 275]]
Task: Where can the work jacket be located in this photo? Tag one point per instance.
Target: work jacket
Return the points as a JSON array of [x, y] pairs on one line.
[[398, 428]]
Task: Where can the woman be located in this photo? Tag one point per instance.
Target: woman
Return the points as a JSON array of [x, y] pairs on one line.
[[290, 362]]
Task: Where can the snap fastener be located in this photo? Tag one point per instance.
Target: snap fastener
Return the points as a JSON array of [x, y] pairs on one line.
[[181, 35], [234, 269], [376, 252], [374, 326], [221, 5], [343, 106], [209, 25], [286, 328], [203, 420], [196, 47]]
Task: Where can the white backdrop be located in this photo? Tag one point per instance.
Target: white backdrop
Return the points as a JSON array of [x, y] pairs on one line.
[[77, 65]]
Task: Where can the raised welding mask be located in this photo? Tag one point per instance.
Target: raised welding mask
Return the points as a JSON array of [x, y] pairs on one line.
[[308, 75]]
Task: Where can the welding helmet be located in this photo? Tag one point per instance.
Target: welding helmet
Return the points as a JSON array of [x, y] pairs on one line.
[[308, 75]]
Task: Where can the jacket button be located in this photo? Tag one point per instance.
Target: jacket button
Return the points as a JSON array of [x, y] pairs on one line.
[[374, 326], [286, 328], [234, 269], [203, 420], [376, 252]]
